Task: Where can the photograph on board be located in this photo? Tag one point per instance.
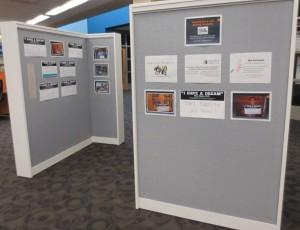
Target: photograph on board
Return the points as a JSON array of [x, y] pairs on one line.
[[57, 49], [251, 106], [203, 31], [101, 53], [101, 86], [160, 102], [101, 70]]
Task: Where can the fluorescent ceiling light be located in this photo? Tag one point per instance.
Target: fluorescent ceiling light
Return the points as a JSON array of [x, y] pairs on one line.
[[37, 19], [68, 5]]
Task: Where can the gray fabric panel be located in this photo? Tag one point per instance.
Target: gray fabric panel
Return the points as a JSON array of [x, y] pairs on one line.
[[55, 125], [223, 166], [103, 106]]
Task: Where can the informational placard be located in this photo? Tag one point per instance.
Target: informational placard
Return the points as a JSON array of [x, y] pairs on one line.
[[49, 69], [251, 106], [102, 86], [203, 68], [202, 104], [67, 69], [161, 68], [75, 50], [57, 49], [101, 53], [35, 47], [101, 69], [160, 102], [68, 88], [250, 67], [203, 31], [49, 91]]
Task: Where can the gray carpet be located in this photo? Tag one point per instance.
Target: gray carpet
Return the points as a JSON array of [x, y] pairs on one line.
[[94, 189]]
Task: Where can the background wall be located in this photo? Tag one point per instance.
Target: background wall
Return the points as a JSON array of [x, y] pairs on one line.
[[80, 27]]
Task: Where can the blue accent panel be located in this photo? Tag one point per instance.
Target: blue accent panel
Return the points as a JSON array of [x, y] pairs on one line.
[[79, 26]]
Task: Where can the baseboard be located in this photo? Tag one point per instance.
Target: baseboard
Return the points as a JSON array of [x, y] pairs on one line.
[[204, 216], [60, 156], [106, 140]]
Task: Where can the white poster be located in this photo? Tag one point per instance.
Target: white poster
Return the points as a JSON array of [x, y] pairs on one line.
[[68, 88], [75, 50], [67, 69], [250, 67], [203, 68], [161, 68], [49, 91], [49, 69], [35, 47], [202, 104]]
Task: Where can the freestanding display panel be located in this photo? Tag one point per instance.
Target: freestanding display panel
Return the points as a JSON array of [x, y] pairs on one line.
[[211, 107], [65, 92]]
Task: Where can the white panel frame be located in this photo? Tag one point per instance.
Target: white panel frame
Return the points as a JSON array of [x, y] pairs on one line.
[[185, 212]]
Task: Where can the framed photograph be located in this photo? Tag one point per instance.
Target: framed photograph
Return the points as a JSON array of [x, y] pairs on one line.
[[160, 102], [251, 106], [102, 86], [101, 69], [203, 30], [57, 49], [101, 53]]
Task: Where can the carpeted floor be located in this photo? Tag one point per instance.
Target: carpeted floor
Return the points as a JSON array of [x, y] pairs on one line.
[[94, 189]]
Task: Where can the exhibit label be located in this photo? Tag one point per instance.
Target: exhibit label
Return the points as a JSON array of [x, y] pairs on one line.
[[49, 91], [250, 67], [75, 50], [49, 69], [203, 68], [67, 69], [161, 68], [160, 102], [203, 31], [202, 104], [68, 88], [35, 47]]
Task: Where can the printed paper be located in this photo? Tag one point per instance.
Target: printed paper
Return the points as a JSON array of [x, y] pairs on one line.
[[75, 50], [35, 47], [68, 88], [67, 69], [49, 91], [49, 69]]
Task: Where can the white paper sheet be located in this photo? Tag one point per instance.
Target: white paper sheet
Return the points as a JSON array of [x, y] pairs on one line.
[[49, 91], [202, 104], [250, 67], [49, 69], [67, 69], [75, 50], [68, 88], [35, 47], [203, 68], [161, 68]]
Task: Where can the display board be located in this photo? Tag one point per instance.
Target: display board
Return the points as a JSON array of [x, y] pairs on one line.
[[211, 139], [55, 109]]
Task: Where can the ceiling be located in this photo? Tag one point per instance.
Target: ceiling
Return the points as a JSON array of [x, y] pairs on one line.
[[23, 10]]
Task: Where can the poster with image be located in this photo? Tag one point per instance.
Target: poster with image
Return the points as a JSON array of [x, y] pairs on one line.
[[67, 69], [49, 91], [49, 69], [161, 68], [102, 86], [68, 88], [251, 106], [250, 67], [203, 31], [202, 104], [57, 49], [203, 68], [101, 53], [101, 69], [160, 102], [34, 47], [75, 50]]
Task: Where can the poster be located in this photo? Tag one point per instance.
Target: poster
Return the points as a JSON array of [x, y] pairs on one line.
[[57, 49], [35, 47], [49, 91], [101, 53], [49, 69], [203, 68], [67, 69], [251, 106], [101, 69], [75, 50], [68, 88], [102, 86], [203, 31], [161, 68], [250, 67], [202, 104], [160, 102]]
